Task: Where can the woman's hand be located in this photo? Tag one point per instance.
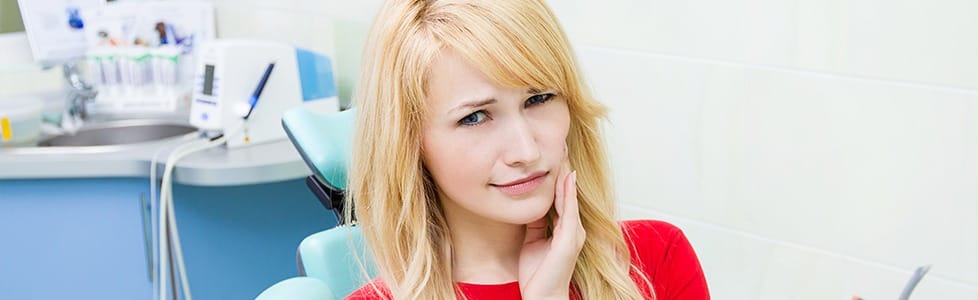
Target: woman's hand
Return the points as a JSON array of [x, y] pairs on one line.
[[546, 264]]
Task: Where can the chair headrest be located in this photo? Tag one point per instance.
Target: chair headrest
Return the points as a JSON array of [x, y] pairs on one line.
[[324, 140]]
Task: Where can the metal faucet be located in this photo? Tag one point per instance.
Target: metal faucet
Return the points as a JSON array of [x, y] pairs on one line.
[[80, 93]]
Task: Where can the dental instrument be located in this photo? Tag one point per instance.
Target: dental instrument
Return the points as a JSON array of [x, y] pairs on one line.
[[914, 280]]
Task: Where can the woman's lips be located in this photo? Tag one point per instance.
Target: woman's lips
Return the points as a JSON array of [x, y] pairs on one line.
[[522, 186]]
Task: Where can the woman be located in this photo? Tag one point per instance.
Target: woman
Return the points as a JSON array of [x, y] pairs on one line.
[[479, 170]]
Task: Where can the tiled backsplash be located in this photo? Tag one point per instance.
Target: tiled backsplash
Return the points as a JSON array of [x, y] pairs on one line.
[[862, 174]]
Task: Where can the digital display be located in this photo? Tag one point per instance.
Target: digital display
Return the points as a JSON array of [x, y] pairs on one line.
[[208, 79]]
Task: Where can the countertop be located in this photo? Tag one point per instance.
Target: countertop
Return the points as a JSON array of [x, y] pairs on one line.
[[219, 166]]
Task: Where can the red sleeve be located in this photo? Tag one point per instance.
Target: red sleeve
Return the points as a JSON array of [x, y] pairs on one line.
[[367, 292], [662, 251]]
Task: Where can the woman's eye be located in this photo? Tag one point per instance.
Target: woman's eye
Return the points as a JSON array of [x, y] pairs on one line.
[[538, 99], [475, 118]]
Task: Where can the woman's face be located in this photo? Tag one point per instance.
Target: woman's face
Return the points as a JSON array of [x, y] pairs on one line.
[[494, 152]]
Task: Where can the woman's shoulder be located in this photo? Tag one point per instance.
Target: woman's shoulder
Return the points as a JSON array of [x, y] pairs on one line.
[[375, 290], [648, 224], [651, 231], [662, 251], [653, 238]]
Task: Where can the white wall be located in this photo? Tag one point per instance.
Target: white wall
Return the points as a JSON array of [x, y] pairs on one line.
[[18, 74], [810, 149]]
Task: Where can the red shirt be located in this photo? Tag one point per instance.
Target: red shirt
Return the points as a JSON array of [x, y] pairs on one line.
[[659, 249]]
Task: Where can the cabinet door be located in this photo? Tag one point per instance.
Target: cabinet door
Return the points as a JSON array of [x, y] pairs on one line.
[[73, 239], [239, 240]]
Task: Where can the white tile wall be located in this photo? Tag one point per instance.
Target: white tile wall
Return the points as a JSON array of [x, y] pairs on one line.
[[919, 41], [874, 170], [741, 265]]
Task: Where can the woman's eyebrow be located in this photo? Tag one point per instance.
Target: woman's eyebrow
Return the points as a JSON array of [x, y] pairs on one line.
[[473, 104]]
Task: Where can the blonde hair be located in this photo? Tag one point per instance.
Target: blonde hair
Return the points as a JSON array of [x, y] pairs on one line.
[[514, 43]]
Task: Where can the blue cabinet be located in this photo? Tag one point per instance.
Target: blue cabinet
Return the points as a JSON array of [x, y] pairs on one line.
[[239, 240], [84, 238], [73, 239]]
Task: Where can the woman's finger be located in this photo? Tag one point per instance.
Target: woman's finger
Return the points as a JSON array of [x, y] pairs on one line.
[[559, 192], [561, 186], [571, 203], [570, 222], [536, 230], [559, 189]]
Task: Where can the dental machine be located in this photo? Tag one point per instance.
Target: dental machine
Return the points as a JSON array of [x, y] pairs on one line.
[[232, 74], [241, 89]]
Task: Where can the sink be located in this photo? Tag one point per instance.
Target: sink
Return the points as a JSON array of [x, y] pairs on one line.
[[107, 136], [120, 132]]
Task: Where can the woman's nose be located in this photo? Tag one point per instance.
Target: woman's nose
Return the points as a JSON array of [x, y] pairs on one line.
[[519, 143]]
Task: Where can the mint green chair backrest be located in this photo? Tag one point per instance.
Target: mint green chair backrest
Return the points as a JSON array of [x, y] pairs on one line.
[[298, 288], [324, 140], [332, 268], [339, 257]]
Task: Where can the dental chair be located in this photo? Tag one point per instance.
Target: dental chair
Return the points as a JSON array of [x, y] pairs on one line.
[[327, 260]]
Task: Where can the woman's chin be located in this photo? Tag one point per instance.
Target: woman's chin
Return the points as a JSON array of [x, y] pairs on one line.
[[526, 211]]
